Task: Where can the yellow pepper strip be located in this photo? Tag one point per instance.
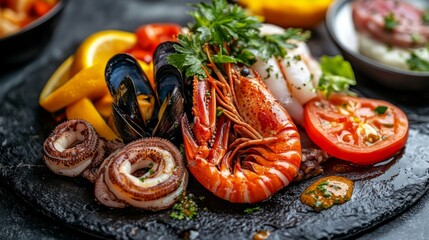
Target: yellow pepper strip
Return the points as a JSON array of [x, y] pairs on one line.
[[85, 109], [88, 83]]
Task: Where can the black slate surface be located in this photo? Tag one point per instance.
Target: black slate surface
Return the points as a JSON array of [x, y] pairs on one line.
[[23, 126]]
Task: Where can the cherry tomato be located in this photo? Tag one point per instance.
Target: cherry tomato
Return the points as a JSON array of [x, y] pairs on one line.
[[150, 35], [359, 130]]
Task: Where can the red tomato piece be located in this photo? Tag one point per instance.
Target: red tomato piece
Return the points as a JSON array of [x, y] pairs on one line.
[[41, 8], [140, 54], [356, 129], [151, 35]]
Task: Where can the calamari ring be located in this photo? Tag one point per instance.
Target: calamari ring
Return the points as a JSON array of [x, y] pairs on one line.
[[157, 187], [70, 148]]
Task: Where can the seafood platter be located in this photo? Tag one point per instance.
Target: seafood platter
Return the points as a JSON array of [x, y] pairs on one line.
[[226, 128]]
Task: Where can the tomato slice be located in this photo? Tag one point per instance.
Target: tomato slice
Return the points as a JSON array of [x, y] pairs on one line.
[[356, 129]]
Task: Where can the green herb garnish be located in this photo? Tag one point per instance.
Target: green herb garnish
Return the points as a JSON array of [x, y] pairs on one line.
[[425, 17], [415, 37], [251, 210], [228, 35], [268, 70], [380, 109], [219, 112], [182, 152], [390, 22], [220, 22], [318, 204], [337, 76], [311, 192], [190, 56], [322, 185], [416, 63], [277, 44], [186, 208], [147, 172]]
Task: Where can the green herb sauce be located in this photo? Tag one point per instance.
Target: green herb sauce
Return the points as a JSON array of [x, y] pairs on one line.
[[326, 192]]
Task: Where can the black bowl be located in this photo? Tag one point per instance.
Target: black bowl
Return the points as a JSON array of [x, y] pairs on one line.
[[341, 29], [29, 42]]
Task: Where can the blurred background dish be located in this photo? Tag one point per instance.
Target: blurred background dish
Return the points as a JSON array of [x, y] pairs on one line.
[[339, 22], [289, 13], [26, 27]]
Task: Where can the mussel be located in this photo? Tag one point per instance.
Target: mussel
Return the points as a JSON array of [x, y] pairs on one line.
[[138, 110]]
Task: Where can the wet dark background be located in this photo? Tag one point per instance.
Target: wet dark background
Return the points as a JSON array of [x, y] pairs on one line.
[[18, 220]]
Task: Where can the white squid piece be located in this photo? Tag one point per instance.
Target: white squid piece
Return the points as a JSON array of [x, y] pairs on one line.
[[293, 79]]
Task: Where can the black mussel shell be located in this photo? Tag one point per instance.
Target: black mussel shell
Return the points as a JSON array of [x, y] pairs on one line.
[[123, 65], [127, 129], [126, 80], [126, 113], [167, 76], [169, 87], [169, 116]]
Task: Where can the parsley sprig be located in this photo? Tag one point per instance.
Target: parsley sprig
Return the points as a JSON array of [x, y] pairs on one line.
[[277, 44], [380, 110], [416, 63], [390, 22], [230, 35], [190, 56], [220, 22], [251, 210], [425, 17]]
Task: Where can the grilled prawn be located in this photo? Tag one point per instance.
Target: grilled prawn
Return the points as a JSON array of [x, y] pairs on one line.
[[252, 150]]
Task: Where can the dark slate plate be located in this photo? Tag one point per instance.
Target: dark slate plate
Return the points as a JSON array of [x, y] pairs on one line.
[[381, 192]]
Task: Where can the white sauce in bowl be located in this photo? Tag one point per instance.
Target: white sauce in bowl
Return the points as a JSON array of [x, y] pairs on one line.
[[392, 56]]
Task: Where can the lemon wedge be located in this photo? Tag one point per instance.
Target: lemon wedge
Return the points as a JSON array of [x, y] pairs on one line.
[[100, 47], [60, 76], [85, 109]]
